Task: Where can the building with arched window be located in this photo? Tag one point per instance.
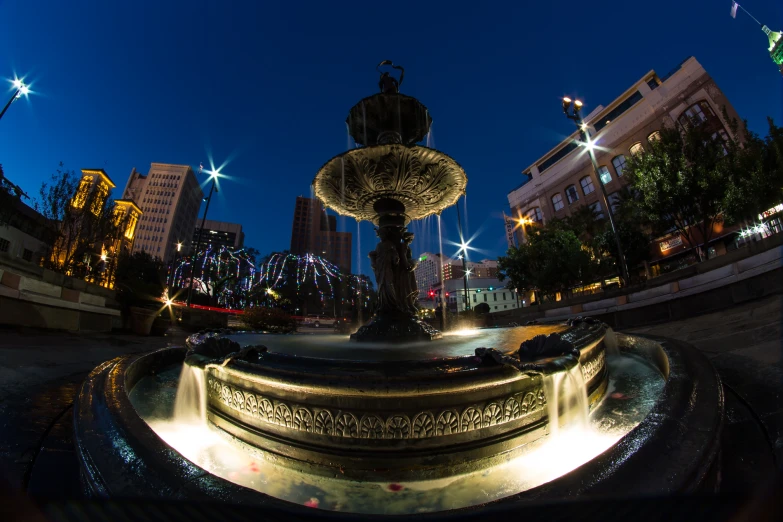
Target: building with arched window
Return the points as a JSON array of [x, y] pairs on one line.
[[563, 180]]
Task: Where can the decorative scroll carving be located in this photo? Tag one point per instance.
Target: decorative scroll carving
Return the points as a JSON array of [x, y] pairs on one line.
[[427, 181], [592, 367], [348, 424]]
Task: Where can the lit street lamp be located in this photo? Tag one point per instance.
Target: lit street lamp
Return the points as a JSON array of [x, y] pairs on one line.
[[463, 255], [575, 115], [213, 174], [20, 89]]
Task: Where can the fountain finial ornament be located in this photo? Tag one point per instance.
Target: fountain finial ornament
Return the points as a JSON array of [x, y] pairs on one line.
[[388, 83]]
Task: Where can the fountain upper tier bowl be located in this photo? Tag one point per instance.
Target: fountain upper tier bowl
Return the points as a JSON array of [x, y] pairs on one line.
[[424, 180], [388, 117]]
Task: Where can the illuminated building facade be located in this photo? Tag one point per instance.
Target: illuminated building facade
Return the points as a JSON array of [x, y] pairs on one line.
[[219, 234], [169, 197], [564, 180]]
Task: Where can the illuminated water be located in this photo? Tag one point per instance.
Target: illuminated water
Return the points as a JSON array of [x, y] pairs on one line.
[[634, 387], [454, 344]]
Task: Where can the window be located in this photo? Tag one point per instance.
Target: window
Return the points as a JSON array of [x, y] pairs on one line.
[[557, 156], [636, 148], [557, 202], [27, 255], [696, 114], [82, 191], [504, 296], [721, 134], [652, 83], [617, 111], [474, 298], [597, 210], [485, 298], [4, 245], [534, 214], [604, 174], [587, 185], [494, 296], [619, 164], [655, 136], [614, 200], [571, 194]]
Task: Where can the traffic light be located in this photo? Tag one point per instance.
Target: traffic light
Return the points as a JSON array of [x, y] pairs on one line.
[[491, 288], [478, 290], [432, 294], [447, 294]]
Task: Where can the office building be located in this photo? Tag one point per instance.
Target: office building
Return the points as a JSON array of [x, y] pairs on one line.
[[427, 272], [563, 179], [314, 231], [485, 290], [170, 198], [219, 234]]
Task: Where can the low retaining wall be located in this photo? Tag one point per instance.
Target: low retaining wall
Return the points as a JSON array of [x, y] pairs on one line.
[[34, 297], [749, 278]]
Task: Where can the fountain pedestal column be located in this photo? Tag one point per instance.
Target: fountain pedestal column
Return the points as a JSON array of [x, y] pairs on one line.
[[396, 318]]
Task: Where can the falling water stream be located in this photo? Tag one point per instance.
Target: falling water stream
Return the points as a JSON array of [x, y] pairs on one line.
[[190, 406], [443, 300], [566, 400]]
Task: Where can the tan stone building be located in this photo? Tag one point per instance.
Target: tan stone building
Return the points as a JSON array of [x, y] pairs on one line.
[[563, 179], [170, 198]]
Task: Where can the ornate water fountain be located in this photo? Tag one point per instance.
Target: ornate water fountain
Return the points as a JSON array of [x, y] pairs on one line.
[[390, 180], [400, 408]]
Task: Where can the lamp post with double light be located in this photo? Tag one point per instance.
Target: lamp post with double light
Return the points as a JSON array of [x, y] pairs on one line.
[[575, 107], [213, 175], [20, 89]]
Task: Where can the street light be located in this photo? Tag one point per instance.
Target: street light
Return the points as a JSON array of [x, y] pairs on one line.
[[576, 117], [463, 248], [213, 175], [20, 89]]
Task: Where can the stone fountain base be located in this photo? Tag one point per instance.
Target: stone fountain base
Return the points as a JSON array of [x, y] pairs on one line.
[[398, 424], [401, 328]]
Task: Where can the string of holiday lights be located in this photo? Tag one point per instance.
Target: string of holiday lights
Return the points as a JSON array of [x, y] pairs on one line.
[[230, 276]]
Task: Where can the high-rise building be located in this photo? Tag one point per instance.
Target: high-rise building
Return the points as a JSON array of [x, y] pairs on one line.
[[219, 234], [563, 179], [170, 197], [315, 231], [427, 273]]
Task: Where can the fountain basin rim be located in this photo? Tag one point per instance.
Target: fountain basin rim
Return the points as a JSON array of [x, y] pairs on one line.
[[679, 443]]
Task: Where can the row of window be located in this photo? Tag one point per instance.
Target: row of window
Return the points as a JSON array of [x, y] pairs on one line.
[[697, 113], [618, 162]]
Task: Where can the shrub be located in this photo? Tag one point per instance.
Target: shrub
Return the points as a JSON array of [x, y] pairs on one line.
[[268, 319]]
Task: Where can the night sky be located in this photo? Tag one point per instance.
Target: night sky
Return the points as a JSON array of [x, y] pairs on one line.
[[265, 87]]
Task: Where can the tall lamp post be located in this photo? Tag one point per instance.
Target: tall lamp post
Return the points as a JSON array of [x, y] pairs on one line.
[[213, 175], [20, 90], [464, 255], [576, 116]]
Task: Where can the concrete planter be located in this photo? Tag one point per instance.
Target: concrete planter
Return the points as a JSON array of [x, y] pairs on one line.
[[141, 320]]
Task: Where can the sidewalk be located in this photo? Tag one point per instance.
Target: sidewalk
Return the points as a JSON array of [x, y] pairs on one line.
[[40, 373], [744, 344]]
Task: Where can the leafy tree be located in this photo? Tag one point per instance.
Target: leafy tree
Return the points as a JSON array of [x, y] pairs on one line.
[[757, 175], [81, 216], [552, 260], [139, 279], [682, 181]]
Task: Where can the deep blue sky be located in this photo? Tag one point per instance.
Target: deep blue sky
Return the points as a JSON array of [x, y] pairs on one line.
[[268, 85]]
